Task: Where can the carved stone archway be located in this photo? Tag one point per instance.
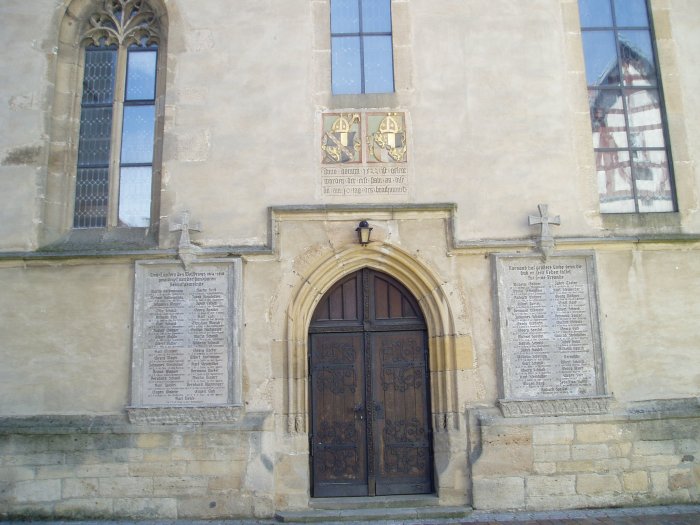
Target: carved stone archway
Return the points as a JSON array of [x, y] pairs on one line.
[[420, 281]]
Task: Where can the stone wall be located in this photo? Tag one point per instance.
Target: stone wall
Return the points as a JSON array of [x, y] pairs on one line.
[[79, 467], [645, 454]]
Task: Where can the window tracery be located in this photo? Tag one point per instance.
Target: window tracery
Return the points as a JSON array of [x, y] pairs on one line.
[[115, 161], [123, 23]]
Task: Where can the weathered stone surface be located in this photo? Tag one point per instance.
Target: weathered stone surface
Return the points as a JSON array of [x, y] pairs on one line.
[[582, 452], [669, 430], [542, 486], [544, 468], [601, 432], [499, 493], [637, 481], [562, 434], [214, 507], [680, 479], [597, 483], [85, 508], [552, 453], [82, 488], [125, 487], [653, 448], [145, 508], [37, 491]]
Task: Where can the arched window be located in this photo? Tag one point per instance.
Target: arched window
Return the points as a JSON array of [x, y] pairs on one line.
[[114, 176], [106, 123]]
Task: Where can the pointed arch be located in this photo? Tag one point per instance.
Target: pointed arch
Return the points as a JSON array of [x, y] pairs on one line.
[[425, 286], [118, 23]]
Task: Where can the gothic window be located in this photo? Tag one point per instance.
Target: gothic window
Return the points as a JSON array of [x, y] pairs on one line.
[[115, 161], [626, 106], [361, 47]]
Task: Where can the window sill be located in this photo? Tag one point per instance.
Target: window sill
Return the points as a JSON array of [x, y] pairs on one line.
[[104, 240], [367, 100], [646, 223]]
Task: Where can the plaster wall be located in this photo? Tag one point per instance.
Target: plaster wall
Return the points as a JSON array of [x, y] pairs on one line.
[[66, 338], [245, 88], [67, 325]]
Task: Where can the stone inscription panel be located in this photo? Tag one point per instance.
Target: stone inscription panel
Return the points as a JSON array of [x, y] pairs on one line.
[[185, 334], [364, 155], [550, 340], [363, 181]]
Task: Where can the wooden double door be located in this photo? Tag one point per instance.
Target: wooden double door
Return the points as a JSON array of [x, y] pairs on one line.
[[370, 406]]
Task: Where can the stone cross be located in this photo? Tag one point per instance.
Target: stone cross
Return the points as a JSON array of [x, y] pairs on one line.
[[185, 228], [546, 241], [186, 251]]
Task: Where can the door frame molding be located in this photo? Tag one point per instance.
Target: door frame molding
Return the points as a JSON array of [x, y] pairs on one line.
[[425, 286]]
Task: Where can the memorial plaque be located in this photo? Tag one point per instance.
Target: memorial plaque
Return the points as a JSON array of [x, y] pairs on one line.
[[549, 334], [185, 347]]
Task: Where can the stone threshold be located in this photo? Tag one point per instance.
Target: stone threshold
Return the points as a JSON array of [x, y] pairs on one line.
[[379, 508]]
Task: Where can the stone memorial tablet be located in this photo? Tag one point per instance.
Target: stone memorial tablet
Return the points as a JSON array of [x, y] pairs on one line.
[[549, 335], [185, 347]]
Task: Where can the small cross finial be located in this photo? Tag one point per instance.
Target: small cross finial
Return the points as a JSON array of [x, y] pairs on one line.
[[185, 228], [546, 241], [186, 250]]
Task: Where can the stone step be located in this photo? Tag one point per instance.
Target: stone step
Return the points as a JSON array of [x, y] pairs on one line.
[[390, 508], [375, 502]]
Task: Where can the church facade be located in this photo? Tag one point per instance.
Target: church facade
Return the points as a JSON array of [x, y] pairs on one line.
[[259, 256]]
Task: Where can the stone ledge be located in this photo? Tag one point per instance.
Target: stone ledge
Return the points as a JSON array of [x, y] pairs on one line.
[[647, 410], [121, 424], [184, 415], [555, 407]]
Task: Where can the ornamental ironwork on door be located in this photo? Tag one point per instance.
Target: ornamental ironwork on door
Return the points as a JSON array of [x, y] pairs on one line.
[[370, 424]]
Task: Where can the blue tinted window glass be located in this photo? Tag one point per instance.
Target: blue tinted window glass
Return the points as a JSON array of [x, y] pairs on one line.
[[135, 197], [376, 16], [595, 13], [345, 16], [601, 58], [379, 66], [346, 65], [631, 13], [637, 57], [141, 75], [137, 134]]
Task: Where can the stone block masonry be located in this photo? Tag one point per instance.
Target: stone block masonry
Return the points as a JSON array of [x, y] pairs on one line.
[[86, 468], [644, 454]]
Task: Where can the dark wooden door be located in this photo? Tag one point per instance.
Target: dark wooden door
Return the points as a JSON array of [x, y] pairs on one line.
[[370, 425]]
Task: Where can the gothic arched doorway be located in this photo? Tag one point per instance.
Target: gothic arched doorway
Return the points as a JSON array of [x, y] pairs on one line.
[[370, 406]]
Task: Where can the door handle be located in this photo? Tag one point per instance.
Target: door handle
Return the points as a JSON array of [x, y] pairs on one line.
[[378, 411], [359, 411]]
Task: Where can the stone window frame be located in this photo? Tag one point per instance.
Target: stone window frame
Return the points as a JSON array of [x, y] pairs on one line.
[[660, 13], [403, 57], [59, 197], [654, 85]]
